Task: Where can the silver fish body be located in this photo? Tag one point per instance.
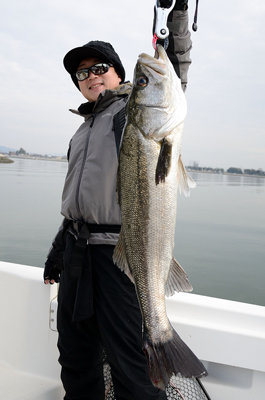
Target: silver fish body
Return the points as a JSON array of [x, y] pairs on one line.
[[150, 171]]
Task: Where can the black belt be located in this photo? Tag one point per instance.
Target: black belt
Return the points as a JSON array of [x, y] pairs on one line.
[[83, 230], [81, 265]]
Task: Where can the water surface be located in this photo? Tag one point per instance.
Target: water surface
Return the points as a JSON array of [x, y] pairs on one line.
[[220, 230]]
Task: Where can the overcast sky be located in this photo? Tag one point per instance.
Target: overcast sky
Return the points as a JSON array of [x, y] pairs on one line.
[[226, 92]]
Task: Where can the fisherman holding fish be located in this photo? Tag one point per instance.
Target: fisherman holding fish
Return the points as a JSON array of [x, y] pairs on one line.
[[102, 311]]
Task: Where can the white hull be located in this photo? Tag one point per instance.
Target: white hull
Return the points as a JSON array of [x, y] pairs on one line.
[[228, 336]]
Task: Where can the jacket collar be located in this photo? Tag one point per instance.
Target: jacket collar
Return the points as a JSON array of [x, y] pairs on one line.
[[105, 98]]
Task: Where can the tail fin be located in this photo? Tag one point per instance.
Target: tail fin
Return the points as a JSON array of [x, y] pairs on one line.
[[171, 357]]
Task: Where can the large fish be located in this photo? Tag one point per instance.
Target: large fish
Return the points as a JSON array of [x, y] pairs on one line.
[[150, 171]]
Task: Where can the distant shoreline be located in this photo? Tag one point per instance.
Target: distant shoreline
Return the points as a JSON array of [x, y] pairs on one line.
[[226, 173], [5, 159], [43, 158], [64, 159]]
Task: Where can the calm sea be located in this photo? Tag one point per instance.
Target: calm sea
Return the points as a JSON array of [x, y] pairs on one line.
[[220, 230]]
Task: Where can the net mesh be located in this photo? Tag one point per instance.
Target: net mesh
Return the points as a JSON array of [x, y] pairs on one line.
[[179, 388]]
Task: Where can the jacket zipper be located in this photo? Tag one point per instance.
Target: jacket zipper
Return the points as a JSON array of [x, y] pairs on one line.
[[82, 167]]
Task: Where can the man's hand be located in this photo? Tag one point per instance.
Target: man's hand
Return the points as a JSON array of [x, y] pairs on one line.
[[53, 267], [180, 4], [54, 263], [165, 3]]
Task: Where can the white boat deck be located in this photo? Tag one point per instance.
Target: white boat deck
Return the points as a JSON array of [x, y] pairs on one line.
[[18, 385], [228, 336]]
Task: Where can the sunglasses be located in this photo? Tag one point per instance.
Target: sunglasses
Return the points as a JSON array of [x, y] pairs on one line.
[[97, 69]]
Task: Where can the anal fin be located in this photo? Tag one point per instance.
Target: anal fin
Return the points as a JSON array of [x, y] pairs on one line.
[[177, 280]]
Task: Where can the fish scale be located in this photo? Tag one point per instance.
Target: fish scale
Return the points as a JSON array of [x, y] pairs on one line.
[[150, 169]]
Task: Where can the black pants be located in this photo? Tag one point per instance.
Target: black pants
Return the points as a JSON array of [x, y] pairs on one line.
[[116, 326]]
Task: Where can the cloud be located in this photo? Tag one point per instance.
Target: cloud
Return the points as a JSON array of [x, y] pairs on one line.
[[226, 80]]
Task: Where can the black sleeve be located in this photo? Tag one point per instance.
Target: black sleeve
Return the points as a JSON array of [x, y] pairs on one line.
[[180, 44]]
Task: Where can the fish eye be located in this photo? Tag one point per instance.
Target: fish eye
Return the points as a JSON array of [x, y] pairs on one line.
[[142, 81]]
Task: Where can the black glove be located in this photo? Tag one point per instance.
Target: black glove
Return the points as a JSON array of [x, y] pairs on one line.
[[165, 3], [180, 4], [53, 265]]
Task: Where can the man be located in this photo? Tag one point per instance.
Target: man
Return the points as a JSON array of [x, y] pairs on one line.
[[98, 311]]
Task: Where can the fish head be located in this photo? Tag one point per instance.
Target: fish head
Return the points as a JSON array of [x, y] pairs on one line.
[[157, 103]]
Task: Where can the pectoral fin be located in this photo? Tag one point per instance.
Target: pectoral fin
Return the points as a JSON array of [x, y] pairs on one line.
[[177, 280], [185, 181], [163, 162]]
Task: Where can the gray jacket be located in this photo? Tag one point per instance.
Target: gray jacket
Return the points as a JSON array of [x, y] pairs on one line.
[[89, 193]]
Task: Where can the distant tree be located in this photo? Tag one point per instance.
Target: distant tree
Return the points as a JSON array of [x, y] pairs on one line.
[[254, 172], [21, 152], [234, 170], [250, 171]]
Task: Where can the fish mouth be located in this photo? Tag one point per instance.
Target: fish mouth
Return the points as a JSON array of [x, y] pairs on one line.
[[157, 63], [151, 64]]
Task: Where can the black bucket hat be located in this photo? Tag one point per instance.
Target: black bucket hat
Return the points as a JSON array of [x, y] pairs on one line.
[[98, 49]]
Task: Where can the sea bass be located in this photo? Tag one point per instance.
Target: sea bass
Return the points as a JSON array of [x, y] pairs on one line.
[[150, 171]]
